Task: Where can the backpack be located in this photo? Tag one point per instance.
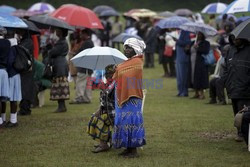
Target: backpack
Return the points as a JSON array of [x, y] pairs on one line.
[[23, 60]]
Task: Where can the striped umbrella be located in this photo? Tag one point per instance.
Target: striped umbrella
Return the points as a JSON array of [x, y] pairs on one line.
[[172, 22], [41, 7], [214, 8], [238, 6]]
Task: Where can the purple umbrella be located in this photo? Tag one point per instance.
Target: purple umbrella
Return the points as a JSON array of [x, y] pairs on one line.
[[41, 7]]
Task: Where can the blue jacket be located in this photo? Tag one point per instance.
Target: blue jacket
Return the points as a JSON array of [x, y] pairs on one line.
[[181, 43]]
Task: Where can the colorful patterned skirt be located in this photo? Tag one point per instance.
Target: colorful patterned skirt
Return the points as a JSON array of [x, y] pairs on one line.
[[100, 127], [59, 89], [128, 126]]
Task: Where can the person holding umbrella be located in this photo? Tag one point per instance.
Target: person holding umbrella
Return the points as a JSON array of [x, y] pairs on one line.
[[60, 85], [128, 126]]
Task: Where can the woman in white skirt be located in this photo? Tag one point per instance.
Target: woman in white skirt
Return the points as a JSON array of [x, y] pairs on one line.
[[4, 82], [15, 94]]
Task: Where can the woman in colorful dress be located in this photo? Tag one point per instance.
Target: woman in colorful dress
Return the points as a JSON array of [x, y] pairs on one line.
[[128, 126], [102, 121]]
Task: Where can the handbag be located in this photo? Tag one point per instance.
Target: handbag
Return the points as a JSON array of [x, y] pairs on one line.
[[168, 51], [209, 59], [48, 70]]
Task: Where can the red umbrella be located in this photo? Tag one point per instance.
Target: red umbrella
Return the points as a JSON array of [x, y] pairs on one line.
[[78, 16]]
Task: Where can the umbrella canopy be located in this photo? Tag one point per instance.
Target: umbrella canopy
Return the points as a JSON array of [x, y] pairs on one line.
[[11, 21], [108, 13], [143, 13], [41, 7], [183, 12], [78, 16], [242, 19], [97, 58], [172, 22], [31, 27], [99, 9], [242, 30], [24, 13], [121, 38], [214, 8], [166, 14], [199, 27], [46, 21], [7, 9], [238, 6]]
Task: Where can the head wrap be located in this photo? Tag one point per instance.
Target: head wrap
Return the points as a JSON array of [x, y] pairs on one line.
[[3, 30], [136, 44]]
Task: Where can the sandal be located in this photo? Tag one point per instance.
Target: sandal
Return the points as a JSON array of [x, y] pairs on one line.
[[100, 149]]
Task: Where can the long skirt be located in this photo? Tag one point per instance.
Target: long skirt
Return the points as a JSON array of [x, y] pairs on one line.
[[15, 88], [59, 89], [128, 126], [100, 127], [4, 85]]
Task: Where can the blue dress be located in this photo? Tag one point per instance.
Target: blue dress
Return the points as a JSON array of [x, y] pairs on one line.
[[128, 126]]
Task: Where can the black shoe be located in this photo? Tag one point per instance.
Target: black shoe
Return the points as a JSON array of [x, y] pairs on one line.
[[11, 125], [23, 113], [212, 102], [222, 103]]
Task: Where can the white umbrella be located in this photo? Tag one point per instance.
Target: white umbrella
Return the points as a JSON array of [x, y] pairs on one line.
[[97, 58], [238, 6], [214, 8]]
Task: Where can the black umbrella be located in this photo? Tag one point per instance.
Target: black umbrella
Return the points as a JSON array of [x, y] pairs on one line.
[[121, 38], [110, 12], [99, 9], [31, 27], [242, 30], [46, 21]]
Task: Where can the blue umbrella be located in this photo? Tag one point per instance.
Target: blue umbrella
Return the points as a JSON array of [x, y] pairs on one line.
[[214, 8], [172, 22], [121, 38], [11, 21], [7, 9], [110, 12], [199, 27]]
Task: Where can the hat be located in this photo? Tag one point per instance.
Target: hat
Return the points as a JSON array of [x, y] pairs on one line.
[[138, 45]]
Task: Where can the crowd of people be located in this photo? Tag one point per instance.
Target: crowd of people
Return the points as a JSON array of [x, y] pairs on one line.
[[118, 122]]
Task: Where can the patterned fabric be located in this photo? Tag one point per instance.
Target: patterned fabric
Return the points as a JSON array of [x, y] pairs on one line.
[[15, 88], [99, 128], [59, 89], [4, 85], [129, 129]]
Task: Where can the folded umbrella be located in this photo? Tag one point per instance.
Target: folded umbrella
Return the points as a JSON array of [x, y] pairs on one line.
[[97, 58], [46, 21], [199, 27], [242, 30], [11, 21]]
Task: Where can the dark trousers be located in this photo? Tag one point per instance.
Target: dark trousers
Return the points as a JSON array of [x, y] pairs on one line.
[[216, 89], [149, 60], [245, 126], [238, 105], [25, 106], [170, 65]]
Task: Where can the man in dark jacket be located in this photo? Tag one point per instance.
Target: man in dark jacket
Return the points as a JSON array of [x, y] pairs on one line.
[[237, 75], [83, 92]]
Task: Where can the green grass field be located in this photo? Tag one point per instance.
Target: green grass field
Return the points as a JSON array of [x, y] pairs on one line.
[[179, 132]]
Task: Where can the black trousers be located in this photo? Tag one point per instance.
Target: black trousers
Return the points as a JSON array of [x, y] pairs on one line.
[[238, 105], [216, 89], [149, 60], [245, 126]]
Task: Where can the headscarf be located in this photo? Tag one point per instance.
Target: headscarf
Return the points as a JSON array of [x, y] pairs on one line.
[[138, 45]]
